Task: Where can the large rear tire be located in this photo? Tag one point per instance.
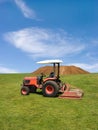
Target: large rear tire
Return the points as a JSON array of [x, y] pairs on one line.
[[25, 90], [50, 89]]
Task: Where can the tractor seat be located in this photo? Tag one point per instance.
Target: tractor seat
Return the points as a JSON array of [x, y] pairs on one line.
[[51, 75]]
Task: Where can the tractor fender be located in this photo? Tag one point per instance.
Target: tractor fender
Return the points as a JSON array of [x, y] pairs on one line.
[[49, 79]]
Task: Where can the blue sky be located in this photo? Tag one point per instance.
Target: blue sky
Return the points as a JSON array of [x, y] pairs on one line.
[[34, 30]]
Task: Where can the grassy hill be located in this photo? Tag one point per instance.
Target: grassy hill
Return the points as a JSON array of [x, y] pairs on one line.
[[35, 112]]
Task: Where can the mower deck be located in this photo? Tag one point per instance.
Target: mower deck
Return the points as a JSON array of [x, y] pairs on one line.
[[71, 93]]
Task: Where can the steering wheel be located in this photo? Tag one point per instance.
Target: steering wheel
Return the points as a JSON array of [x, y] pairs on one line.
[[43, 75]]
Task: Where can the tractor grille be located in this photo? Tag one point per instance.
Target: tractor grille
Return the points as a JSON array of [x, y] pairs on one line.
[[26, 81]]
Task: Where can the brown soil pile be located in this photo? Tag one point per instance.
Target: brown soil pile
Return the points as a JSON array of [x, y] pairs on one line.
[[63, 70]]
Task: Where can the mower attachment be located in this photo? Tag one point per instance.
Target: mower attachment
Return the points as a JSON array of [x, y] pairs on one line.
[[71, 93]]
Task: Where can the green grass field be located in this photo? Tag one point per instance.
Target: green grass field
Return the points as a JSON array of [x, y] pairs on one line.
[[35, 112]]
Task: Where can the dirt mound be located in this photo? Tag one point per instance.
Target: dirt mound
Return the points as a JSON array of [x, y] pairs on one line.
[[63, 70]]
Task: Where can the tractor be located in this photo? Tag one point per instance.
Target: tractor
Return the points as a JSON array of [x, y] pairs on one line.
[[51, 85]]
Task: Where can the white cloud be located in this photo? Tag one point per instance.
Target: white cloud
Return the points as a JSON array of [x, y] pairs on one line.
[[88, 67], [39, 42], [7, 70], [27, 12]]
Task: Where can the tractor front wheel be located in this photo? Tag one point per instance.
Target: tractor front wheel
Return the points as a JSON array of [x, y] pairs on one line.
[[50, 89], [25, 90]]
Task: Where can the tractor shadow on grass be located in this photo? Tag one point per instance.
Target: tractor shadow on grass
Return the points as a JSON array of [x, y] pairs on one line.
[[39, 93]]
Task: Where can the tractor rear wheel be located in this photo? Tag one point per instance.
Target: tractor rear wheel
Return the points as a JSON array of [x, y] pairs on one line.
[[50, 89], [25, 90]]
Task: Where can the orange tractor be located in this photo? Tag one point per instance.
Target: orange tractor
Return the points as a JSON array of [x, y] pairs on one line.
[[51, 86]]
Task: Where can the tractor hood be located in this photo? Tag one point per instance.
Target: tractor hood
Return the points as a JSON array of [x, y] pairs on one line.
[[29, 78]]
